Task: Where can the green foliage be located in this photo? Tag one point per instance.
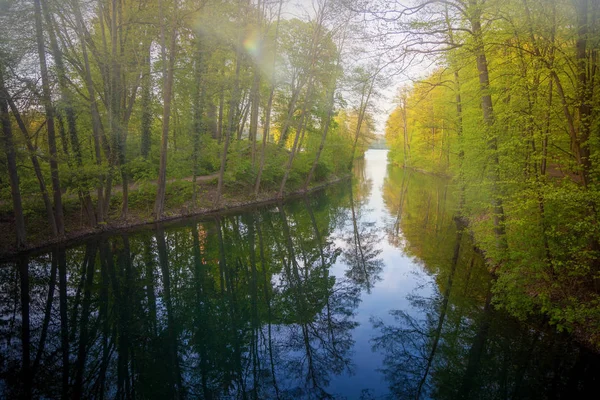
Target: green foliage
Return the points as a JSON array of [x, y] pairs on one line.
[[208, 159], [141, 169], [322, 171], [178, 192], [84, 178], [273, 171], [240, 172], [532, 154], [143, 197]]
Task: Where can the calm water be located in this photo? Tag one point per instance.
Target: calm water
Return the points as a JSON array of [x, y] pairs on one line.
[[365, 291]]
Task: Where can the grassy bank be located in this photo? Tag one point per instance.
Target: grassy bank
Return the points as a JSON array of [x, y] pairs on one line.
[[141, 199]]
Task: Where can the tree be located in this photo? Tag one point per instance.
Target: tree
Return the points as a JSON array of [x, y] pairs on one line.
[[12, 165], [39, 33], [67, 104], [167, 74]]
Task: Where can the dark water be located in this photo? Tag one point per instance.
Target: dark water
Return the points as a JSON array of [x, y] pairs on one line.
[[367, 290]]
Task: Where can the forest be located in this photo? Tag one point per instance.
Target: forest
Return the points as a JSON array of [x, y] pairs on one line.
[[118, 111], [509, 108], [123, 112]]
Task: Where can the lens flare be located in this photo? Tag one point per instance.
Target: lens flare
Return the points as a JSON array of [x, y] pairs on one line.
[[253, 44]]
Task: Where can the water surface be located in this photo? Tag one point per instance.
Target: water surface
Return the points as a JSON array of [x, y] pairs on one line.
[[368, 290]]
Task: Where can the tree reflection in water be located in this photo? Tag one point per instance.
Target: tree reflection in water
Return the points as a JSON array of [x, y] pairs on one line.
[[242, 306], [453, 344], [362, 251], [263, 305]]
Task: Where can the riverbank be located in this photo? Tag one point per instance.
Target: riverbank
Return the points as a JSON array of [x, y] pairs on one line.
[[178, 207]]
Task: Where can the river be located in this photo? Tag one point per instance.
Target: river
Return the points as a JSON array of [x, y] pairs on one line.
[[367, 290]]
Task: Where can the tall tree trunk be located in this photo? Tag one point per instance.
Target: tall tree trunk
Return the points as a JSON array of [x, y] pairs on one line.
[[146, 107], [329, 117], [211, 117], [459, 123], [128, 102], [285, 129], [310, 77], [489, 121], [585, 62], [265, 139], [115, 109], [546, 135], [34, 159], [255, 99], [255, 93], [461, 151], [96, 122], [110, 98], [221, 107], [362, 110], [167, 94], [325, 129], [69, 112], [295, 146], [405, 133], [243, 116], [198, 125], [267, 126], [233, 102], [307, 77], [11, 160], [47, 101]]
